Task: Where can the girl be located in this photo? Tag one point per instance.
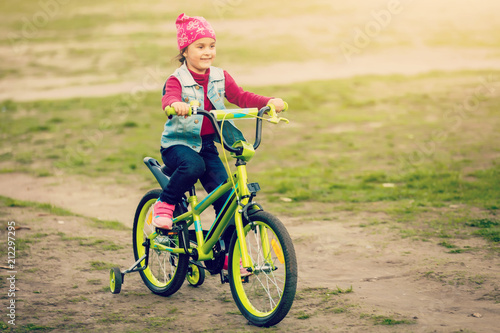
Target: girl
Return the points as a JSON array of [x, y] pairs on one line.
[[187, 144]]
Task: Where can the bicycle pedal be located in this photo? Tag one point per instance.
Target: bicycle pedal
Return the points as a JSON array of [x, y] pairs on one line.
[[224, 278], [164, 232]]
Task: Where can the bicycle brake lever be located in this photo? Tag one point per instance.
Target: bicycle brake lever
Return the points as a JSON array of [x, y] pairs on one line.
[[273, 115], [275, 120], [285, 120]]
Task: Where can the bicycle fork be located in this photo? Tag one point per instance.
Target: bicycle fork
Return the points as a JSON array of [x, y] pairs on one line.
[[241, 174]]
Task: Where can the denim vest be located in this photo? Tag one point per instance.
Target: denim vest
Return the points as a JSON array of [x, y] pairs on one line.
[[186, 131]]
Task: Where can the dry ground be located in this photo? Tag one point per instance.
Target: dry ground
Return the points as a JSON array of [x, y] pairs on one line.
[[63, 286]]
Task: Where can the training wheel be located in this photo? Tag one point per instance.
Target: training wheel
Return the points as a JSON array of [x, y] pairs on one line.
[[115, 280], [195, 275]]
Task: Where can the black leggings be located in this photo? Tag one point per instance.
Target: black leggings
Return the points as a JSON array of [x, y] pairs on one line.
[[190, 166]]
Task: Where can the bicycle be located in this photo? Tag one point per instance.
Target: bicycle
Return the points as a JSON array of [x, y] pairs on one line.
[[260, 243]]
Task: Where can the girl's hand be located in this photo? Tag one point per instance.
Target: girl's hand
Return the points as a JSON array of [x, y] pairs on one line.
[[278, 103], [181, 108]]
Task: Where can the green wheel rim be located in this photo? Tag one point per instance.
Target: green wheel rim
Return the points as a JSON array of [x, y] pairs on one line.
[[194, 276], [112, 281]]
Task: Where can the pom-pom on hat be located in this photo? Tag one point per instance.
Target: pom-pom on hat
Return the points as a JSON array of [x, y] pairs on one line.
[[190, 29]]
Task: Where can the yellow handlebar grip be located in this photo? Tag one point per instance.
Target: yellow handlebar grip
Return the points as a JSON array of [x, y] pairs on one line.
[[273, 108], [170, 111]]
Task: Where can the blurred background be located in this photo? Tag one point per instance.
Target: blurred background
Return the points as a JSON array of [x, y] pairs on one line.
[[64, 48]]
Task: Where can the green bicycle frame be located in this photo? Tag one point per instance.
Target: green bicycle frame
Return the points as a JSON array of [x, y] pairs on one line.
[[205, 243], [239, 194]]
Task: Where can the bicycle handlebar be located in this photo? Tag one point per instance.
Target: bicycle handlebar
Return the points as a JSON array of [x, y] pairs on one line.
[[170, 111], [222, 115]]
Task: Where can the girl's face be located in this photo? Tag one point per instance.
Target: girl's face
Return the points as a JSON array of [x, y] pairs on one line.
[[200, 55]]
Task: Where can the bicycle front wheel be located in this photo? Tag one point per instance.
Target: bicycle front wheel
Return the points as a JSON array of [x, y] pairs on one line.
[[166, 271], [266, 295]]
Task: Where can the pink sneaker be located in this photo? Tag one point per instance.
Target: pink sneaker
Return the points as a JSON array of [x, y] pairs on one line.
[[162, 215], [243, 271]]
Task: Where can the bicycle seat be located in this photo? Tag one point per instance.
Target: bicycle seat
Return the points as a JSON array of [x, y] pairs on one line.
[[167, 171]]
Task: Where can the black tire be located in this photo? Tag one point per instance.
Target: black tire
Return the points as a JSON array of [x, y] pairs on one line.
[[166, 271], [115, 280], [260, 304]]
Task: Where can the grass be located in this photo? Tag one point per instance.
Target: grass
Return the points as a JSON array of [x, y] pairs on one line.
[[91, 242], [101, 265], [49, 208], [322, 301], [487, 228], [303, 315], [332, 302], [54, 210], [447, 245], [367, 143], [458, 278], [4, 327], [390, 321], [35, 327], [339, 290], [387, 320]]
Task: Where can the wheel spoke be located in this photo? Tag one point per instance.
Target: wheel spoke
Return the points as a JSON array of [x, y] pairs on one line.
[[272, 304], [266, 284], [161, 266], [166, 271]]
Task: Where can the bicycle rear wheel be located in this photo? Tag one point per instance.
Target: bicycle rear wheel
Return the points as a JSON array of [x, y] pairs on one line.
[[166, 271], [266, 296]]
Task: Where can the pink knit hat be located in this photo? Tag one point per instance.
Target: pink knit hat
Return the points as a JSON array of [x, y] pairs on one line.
[[190, 29]]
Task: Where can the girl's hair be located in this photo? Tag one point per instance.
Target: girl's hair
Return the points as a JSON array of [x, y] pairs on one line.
[[180, 57]]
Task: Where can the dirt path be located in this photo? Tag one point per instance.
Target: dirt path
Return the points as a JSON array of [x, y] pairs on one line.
[[90, 198], [390, 276]]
